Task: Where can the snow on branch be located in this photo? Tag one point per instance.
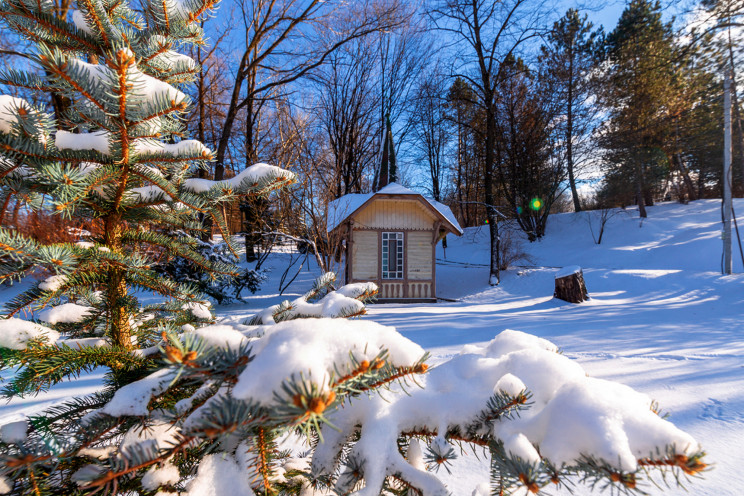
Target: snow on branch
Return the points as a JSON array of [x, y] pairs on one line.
[[10, 108], [320, 302], [312, 348], [254, 177], [16, 334], [571, 418]]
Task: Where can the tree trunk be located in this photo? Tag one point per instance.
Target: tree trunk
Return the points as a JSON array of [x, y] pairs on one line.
[[639, 193], [570, 286], [685, 176], [737, 115], [494, 277], [569, 136], [739, 131], [119, 327], [232, 113]]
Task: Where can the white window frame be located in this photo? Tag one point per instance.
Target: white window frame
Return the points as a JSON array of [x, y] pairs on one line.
[[399, 238]]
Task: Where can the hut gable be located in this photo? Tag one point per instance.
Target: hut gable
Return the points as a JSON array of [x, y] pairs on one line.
[[390, 213], [377, 204], [390, 238]]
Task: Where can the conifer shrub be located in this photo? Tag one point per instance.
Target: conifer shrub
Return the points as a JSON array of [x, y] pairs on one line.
[[222, 288]]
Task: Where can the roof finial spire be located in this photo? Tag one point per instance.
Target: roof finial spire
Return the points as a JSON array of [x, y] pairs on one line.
[[388, 172]]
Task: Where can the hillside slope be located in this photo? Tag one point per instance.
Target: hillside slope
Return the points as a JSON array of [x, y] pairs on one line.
[[661, 318]]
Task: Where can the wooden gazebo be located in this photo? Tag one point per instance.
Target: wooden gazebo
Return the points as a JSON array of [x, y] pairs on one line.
[[391, 238]]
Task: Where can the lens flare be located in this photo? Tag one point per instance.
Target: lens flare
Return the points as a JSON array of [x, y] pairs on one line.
[[536, 204]]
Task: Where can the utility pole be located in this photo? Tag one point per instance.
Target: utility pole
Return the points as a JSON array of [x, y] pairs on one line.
[[727, 262]]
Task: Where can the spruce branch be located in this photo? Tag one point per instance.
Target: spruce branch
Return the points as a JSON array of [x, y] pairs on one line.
[[44, 366]]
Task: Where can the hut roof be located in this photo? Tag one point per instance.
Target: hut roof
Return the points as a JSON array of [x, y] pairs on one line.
[[342, 208]]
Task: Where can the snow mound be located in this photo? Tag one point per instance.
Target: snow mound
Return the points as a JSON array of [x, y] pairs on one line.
[[604, 419], [507, 341]]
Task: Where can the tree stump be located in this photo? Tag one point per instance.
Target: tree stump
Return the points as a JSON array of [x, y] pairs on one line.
[[569, 285]]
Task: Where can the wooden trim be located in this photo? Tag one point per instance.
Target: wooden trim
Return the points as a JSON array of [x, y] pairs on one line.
[[391, 229], [406, 300], [434, 268], [405, 264], [350, 251], [379, 259]]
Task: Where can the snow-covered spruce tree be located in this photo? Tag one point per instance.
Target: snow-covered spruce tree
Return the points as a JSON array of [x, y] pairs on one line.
[[198, 409], [124, 163], [223, 288]]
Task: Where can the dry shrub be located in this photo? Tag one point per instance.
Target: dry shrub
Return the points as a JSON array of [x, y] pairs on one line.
[[511, 246], [46, 228]]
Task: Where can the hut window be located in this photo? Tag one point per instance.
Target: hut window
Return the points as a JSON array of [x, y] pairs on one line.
[[392, 255]]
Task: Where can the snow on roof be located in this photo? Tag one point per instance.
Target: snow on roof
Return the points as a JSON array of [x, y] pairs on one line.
[[342, 208]]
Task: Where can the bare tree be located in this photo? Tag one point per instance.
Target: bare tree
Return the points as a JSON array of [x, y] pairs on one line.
[[467, 163], [430, 128], [486, 33], [212, 86], [404, 54], [347, 112], [569, 60], [284, 41], [530, 169]]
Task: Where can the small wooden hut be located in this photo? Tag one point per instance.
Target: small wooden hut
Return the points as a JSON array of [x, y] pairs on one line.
[[390, 239]]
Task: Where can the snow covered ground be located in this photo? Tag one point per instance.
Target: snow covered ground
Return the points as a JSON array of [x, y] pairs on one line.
[[661, 319]]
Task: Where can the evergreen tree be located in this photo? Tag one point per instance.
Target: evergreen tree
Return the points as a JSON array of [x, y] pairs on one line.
[[468, 164], [569, 59], [530, 171], [639, 82], [196, 409]]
